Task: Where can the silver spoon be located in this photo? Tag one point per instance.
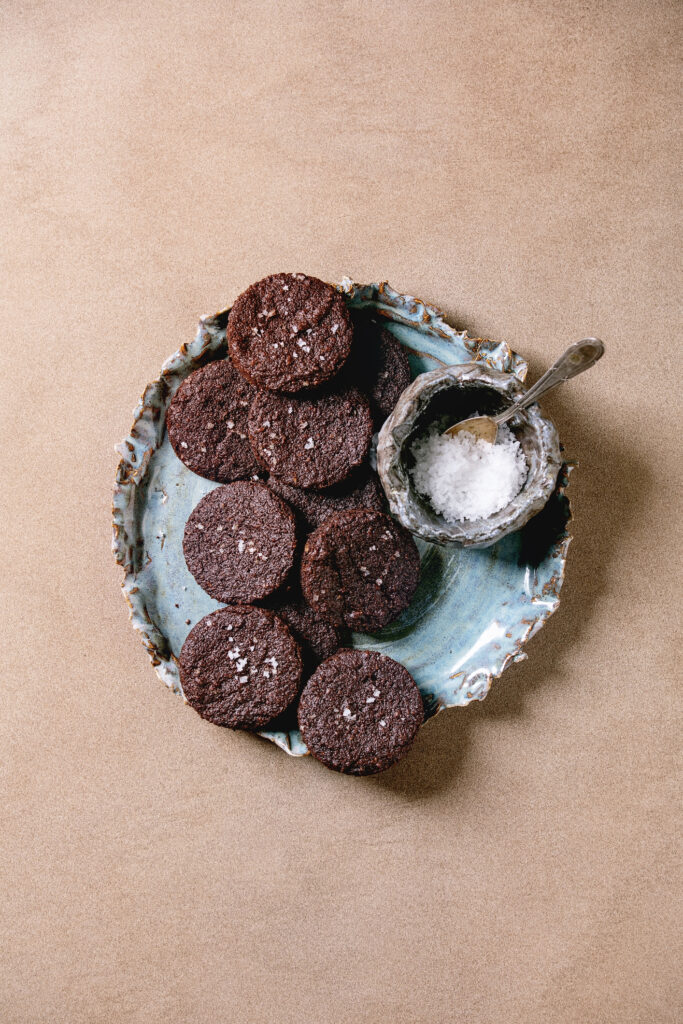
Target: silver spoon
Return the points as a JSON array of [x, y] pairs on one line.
[[578, 357]]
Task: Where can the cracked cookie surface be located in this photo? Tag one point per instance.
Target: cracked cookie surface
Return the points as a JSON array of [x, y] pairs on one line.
[[360, 569], [288, 332], [239, 542]]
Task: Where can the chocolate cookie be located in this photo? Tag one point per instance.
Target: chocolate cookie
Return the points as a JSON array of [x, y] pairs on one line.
[[240, 667], [378, 365], [289, 332], [361, 490], [391, 376], [310, 442], [317, 639], [207, 423], [360, 569], [360, 712], [239, 542]]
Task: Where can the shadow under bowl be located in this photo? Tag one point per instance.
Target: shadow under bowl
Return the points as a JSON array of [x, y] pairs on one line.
[[446, 396]]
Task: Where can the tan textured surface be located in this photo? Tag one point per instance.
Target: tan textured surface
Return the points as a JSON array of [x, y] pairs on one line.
[[513, 162]]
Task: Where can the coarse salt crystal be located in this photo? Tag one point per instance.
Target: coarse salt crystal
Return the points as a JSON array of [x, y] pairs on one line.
[[309, 444], [468, 478]]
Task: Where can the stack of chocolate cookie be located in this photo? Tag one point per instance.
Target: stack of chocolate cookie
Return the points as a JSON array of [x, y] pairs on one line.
[[296, 542]]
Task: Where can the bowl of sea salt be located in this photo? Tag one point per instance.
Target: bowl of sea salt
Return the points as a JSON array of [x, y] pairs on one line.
[[461, 490]]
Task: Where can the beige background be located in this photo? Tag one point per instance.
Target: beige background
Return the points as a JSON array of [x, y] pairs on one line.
[[514, 163]]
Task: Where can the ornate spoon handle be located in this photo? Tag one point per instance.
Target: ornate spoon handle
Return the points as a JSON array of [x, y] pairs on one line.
[[577, 358]]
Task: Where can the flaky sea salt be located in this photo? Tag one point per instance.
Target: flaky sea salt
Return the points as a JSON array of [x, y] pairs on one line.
[[465, 478]]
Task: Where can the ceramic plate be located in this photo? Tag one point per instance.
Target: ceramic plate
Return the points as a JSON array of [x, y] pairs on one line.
[[474, 609]]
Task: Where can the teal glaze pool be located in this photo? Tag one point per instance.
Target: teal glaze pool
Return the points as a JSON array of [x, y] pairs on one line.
[[474, 609]]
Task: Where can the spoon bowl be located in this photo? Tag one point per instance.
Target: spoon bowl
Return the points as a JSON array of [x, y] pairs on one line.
[[483, 428]]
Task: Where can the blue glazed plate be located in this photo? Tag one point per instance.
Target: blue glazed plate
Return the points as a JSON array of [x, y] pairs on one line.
[[474, 609]]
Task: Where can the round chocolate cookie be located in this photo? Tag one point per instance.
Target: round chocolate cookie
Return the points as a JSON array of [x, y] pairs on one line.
[[311, 442], [391, 376], [289, 332], [240, 667], [207, 423], [378, 365], [360, 569], [239, 542], [360, 712], [361, 490]]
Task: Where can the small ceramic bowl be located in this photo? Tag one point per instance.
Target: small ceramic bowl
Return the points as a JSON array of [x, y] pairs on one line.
[[446, 396]]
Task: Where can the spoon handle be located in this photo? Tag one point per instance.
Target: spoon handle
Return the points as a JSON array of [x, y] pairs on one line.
[[577, 358]]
